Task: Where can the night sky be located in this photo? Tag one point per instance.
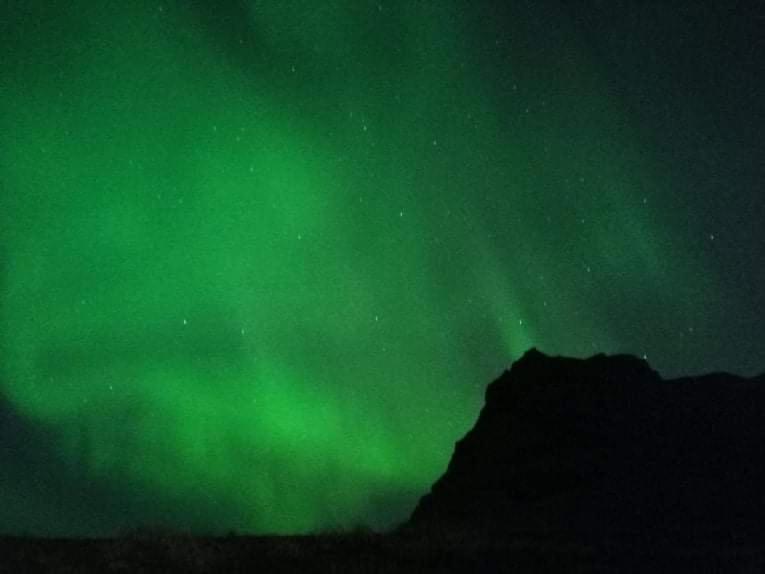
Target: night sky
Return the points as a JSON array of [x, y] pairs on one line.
[[259, 258]]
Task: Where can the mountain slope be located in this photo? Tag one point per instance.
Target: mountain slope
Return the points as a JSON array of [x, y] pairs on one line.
[[604, 449]]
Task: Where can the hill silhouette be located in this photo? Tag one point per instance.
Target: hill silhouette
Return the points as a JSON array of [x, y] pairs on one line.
[[604, 450]]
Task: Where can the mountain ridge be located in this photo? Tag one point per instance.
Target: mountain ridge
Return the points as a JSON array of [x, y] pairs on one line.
[[604, 448]]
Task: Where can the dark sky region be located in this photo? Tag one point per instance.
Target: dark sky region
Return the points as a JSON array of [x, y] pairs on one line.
[[259, 258]]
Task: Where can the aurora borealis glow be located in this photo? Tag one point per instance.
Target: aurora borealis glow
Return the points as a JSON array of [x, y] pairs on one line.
[[258, 261]]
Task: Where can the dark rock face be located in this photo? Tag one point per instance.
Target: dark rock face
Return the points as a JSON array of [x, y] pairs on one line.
[[604, 449]]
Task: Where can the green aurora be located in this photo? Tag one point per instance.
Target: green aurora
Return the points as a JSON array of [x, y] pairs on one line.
[[258, 261]]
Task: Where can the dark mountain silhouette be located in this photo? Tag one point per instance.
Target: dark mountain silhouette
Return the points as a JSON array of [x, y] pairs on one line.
[[604, 450]]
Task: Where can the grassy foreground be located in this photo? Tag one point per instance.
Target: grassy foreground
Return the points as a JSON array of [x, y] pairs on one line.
[[357, 552]]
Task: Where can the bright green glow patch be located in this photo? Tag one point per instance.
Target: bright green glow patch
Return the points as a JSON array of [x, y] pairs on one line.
[[257, 280]]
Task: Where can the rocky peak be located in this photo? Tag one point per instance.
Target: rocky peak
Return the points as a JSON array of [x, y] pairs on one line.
[[605, 448]]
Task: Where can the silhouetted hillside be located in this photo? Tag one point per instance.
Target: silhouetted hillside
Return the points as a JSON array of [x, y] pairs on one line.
[[604, 450]]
